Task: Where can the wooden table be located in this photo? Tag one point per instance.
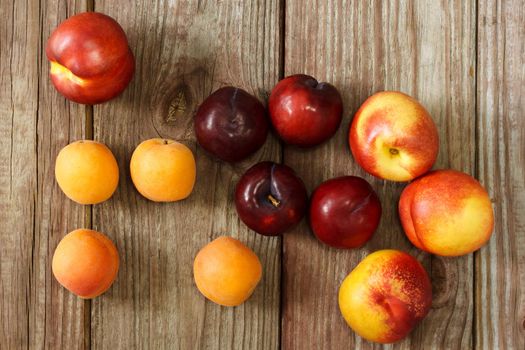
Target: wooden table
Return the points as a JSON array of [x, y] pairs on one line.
[[464, 60]]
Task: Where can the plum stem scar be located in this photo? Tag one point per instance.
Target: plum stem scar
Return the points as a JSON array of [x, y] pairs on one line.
[[274, 201]]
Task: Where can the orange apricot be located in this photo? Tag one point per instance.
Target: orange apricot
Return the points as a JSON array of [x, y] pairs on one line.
[[226, 271], [86, 263], [87, 172], [163, 170]]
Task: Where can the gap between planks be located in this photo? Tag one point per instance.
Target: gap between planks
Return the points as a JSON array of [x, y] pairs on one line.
[[282, 35], [88, 219], [89, 132], [476, 256]]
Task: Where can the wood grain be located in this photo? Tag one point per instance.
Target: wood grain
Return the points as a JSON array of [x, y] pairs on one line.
[[57, 315], [425, 49], [184, 50], [19, 82], [36, 122], [464, 60], [500, 266]]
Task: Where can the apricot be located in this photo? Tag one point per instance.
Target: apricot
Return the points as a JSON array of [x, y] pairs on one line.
[[87, 172], [446, 212], [85, 263], [226, 271], [385, 296], [163, 170]]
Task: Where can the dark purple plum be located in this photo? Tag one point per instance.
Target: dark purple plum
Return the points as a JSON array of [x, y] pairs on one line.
[[270, 198], [231, 124]]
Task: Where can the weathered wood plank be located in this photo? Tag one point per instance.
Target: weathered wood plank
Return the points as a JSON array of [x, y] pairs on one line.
[[426, 49], [500, 266], [184, 50], [35, 123], [57, 319], [18, 108]]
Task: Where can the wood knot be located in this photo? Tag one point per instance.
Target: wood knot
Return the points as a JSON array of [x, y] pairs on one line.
[[180, 106]]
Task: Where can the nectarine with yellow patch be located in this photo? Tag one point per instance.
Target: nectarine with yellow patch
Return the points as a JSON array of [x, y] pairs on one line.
[[91, 61]]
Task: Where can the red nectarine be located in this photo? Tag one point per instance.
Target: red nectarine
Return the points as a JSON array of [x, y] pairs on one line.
[[91, 61]]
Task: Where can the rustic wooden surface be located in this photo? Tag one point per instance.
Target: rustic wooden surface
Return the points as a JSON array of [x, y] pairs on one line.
[[35, 124], [425, 50], [184, 52], [500, 266], [464, 60]]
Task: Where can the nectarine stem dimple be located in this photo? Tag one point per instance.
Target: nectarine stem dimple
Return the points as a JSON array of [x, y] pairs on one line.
[[393, 151], [275, 202]]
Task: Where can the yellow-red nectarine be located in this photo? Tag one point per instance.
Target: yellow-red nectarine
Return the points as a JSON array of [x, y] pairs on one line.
[[385, 296], [393, 137], [446, 212]]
